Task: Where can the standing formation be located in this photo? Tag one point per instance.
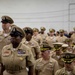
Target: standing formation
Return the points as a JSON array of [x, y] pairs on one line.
[[30, 51]]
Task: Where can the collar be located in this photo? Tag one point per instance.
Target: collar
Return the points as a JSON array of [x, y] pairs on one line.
[[19, 47], [50, 59], [27, 42], [73, 72], [4, 34]]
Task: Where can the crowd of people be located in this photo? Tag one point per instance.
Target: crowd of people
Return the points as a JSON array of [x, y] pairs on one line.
[[30, 51]]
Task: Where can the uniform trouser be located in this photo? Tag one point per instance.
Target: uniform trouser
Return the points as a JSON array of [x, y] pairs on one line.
[[22, 72]]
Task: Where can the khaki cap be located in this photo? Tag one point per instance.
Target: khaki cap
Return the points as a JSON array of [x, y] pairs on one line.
[[61, 30], [7, 19], [43, 28], [45, 47], [68, 57], [35, 30], [65, 45], [54, 30], [17, 31], [57, 45], [51, 30]]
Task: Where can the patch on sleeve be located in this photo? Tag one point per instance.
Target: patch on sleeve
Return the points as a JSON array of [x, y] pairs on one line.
[[6, 53]]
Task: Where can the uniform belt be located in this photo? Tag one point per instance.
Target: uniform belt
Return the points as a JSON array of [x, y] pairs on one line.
[[12, 71]]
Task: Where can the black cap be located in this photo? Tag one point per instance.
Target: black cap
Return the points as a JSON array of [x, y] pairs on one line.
[[68, 57]]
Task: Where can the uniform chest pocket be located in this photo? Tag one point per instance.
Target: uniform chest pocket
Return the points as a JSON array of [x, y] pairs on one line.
[[32, 45], [39, 66], [21, 57], [49, 67]]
